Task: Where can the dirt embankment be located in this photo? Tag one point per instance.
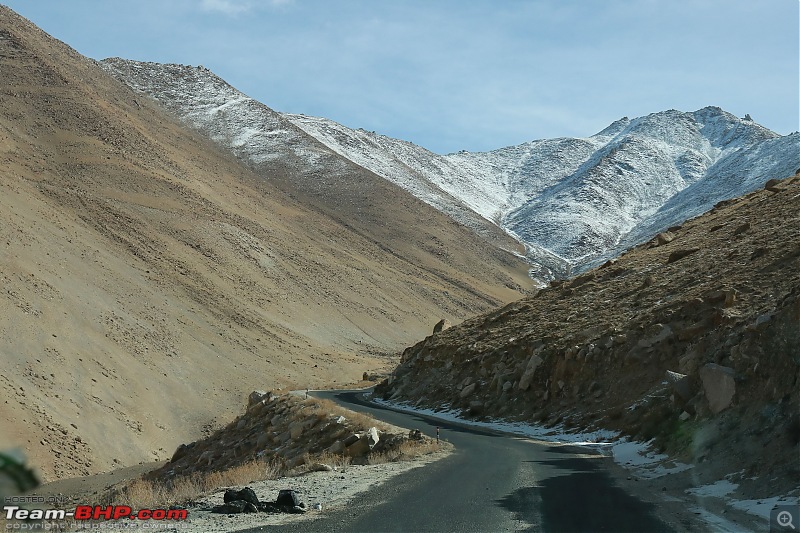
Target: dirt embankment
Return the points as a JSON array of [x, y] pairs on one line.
[[691, 339]]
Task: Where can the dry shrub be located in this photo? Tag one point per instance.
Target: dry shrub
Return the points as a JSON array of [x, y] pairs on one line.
[[407, 450], [333, 459], [144, 493], [325, 408]]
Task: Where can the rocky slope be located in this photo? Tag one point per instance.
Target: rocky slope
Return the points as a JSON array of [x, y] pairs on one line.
[[289, 431], [691, 339], [149, 281]]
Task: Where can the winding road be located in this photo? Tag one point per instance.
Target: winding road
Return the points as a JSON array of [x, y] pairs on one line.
[[492, 482]]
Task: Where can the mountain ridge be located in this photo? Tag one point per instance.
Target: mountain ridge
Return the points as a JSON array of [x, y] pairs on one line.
[[572, 202]]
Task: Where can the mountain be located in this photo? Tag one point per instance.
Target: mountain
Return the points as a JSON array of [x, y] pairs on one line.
[[572, 202], [690, 341], [575, 202], [275, 147], [150, 280]]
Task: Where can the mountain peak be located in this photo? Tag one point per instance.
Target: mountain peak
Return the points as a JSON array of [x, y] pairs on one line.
[[570, 201]]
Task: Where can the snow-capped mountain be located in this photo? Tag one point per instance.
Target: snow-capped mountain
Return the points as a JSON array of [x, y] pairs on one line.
[[571, 201], [577, 201], [265, 138]]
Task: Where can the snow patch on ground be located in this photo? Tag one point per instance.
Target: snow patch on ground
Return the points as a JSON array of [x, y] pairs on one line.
[[721, 488], [716, 523], [647, 464], [764, 506]]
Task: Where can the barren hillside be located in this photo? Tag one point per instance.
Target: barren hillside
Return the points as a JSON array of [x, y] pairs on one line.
[[691, 339], [149, 280]]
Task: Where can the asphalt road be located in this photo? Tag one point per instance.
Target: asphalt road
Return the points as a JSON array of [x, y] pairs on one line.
[[492, 482]]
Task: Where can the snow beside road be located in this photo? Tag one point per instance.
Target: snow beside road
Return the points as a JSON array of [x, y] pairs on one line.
[[638, 457]]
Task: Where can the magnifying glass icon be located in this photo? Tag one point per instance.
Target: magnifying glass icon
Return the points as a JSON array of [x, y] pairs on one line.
[[785, 519]]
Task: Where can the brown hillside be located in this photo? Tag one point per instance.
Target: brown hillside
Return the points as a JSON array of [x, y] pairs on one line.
[[692, 339], [149, 281]]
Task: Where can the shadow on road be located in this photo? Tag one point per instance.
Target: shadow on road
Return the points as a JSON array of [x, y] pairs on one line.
[[578, 495]]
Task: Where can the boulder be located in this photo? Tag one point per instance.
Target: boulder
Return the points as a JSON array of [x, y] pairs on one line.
[[287, 498], [372, 437], [719, 386], [741, 229], [681, 385], [358, 448], [664, 238], [181, 451], [351, 439], [336, 447], [659, 333], [246, 494], [530, 370], [772, 185], [475, 407], [442, 325], [256, 396], [680, 254], [469, 389]]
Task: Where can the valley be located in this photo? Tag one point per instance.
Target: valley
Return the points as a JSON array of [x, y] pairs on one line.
[[171, 248]]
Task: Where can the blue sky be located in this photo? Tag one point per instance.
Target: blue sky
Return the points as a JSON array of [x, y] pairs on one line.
[[463, 74]]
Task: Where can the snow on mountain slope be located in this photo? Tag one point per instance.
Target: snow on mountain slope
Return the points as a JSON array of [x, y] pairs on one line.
[[571, 201], [259, 135], [204, 101], [428, 176]]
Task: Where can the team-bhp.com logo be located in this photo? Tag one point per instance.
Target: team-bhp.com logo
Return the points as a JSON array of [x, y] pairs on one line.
[[94, 512]]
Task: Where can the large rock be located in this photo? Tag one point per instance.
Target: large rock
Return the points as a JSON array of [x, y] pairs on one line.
[[681, 385], [680, 254], [358, 448], [658, 333], [664, 238], [246, 494], [530, 370], [442, 325], [336, 447], [373, 437], [719, 386], [469, 389], [256, 396]]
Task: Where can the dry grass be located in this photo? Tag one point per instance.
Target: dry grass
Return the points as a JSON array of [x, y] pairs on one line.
[[144, 493], [332, 459], [407, 451], [361, 421]]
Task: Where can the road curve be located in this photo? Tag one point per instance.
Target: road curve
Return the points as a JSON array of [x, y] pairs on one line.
[[492, 482]]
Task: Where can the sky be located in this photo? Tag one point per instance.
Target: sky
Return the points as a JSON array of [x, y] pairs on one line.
[[455, 75]]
